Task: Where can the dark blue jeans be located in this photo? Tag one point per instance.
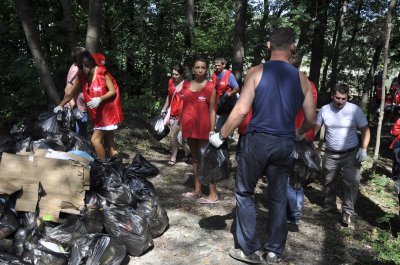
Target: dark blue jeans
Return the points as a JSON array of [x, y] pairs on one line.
[[274, 156], [295, 204], [81, 126]]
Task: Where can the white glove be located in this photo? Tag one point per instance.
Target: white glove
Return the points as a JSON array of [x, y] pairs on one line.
[[57, 109], [215, 139], [77, 113], [361, 154], [94, 102], [299, 137]]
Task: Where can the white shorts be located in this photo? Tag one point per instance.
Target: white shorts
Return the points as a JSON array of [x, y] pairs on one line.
[[107, 128]]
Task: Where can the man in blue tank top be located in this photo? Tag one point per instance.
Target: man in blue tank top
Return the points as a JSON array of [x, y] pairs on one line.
[[275, 91]]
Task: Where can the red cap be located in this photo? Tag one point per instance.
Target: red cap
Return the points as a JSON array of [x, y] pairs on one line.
[[99, 58]]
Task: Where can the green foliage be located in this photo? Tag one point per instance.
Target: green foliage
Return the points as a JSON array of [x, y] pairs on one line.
[[386, 247]]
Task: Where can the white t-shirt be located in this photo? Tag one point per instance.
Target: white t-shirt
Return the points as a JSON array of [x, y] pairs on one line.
[[341, 125]]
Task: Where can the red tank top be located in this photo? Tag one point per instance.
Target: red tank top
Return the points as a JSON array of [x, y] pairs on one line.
[[177, 100], [223, 84], [300, 116], [109, 112], [195, 117]]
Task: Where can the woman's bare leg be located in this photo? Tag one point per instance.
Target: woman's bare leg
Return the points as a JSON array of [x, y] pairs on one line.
[[97, 143]]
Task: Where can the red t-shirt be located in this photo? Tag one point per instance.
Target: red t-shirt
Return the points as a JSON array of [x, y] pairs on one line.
[[109, 112], [300, 117], [177, 101], [195, 118], [243, 126]]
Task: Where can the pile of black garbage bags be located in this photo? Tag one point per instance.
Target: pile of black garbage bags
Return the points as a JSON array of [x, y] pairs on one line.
[[122, 212]]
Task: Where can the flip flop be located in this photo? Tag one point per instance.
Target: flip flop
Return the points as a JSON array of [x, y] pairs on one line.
[[203, 200], [190, 195], [171, 163]]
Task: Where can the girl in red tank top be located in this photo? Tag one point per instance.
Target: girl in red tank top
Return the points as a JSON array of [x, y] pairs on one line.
[[173, 104], [198, 120], [102, 98]]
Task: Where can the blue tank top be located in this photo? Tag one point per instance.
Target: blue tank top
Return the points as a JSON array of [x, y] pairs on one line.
[[278, 97]]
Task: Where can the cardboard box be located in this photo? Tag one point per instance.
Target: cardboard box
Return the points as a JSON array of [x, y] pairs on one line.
[[64, 181]]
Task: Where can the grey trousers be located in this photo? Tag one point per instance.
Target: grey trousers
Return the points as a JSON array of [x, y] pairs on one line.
[[333, 164]]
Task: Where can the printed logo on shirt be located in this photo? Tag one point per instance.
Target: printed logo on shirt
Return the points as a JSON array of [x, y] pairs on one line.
[[201, 98], [96, 89], [222, 83]]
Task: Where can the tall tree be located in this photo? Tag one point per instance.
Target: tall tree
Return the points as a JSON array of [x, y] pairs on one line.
[[332, 46], [388, 29], [25, 11], [69, 23], [239, 40], [261, 43], [317, 46], [189, 22], [95, 21], [368, 82], [336, 53]]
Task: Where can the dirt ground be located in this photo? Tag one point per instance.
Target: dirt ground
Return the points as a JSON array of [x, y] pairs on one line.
[[202, 234]]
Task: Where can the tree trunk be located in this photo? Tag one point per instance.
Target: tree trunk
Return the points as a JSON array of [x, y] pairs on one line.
[[239, 40], [335, 58], [261, 45], [189, 23], [317, 46], [368, 79], [304, 37], [95, 21], [32, 36], [69, 24], [333, 44], [392, 6]]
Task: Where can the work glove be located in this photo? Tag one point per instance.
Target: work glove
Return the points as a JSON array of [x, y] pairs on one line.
[[57, 109], [94, 102], [216, 139], [361, 154], [77, 113], [299, 137]]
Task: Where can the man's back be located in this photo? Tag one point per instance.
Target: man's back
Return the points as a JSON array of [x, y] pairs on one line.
[[278, 97]]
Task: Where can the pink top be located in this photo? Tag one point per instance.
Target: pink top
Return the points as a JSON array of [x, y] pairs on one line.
[[79, 99]]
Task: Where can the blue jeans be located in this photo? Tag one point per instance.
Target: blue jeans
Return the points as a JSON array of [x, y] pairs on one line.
[[274, 156], [295, 204], [81, 126]]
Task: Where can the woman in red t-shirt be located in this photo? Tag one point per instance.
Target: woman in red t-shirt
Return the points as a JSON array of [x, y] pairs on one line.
[[198, 120], [102, 97], [174, 103]]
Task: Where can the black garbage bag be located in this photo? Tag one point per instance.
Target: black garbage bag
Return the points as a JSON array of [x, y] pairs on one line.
[[75, 142], [74, 226], [140, 167], [43, 250], [226, 103], [7, 246], [97, 249], [141, 187], [47, 122], [8, 221], [307, 164], [7, 259], [47, 143], [21, 145], [106, 181], [155, 214], [19, 240], [130, 227], [157, 128], [213, 163]]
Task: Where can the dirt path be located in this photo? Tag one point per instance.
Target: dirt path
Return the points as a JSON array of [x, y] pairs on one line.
[[202, 234]]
